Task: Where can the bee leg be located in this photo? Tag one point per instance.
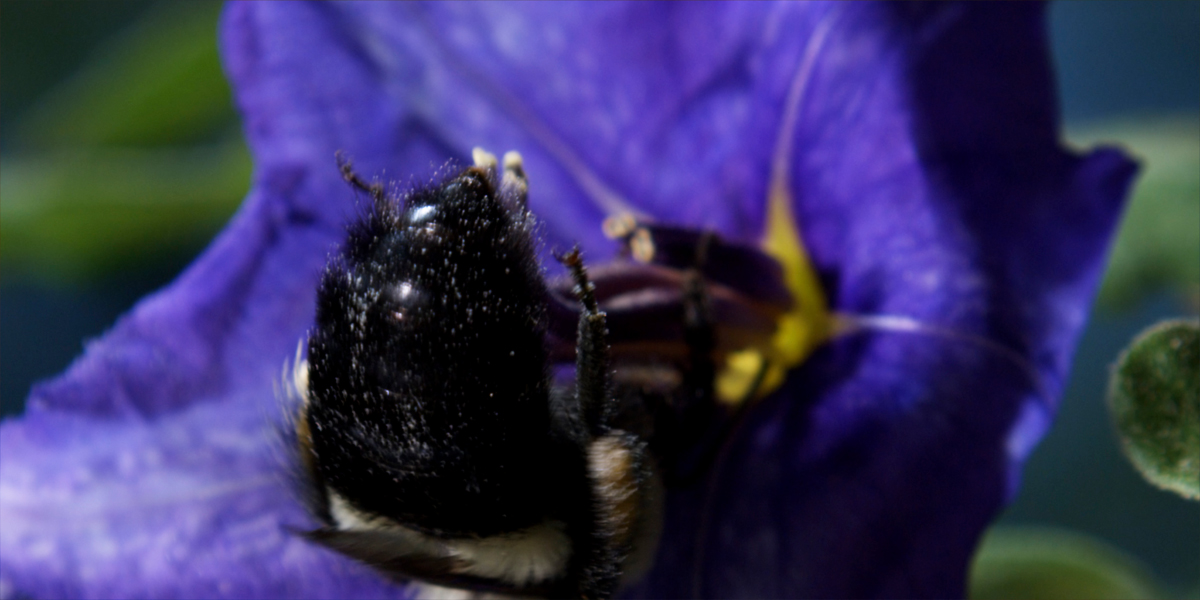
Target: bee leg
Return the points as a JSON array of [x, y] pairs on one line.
[[374, 189], [696, 418], [624, 516], [593, 387], [744, 269], [698, 330]]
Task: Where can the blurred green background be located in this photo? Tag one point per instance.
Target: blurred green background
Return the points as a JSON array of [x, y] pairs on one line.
[[120, 157]]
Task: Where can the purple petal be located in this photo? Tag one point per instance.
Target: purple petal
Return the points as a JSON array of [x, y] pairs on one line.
[[926, 177], [187, 505], [944, 200]]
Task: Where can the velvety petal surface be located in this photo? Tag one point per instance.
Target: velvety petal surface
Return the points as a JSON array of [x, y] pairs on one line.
[[929, 186], [945, 213]]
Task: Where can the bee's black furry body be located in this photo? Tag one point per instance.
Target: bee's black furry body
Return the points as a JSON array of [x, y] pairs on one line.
[[435, 442], [428, 334]]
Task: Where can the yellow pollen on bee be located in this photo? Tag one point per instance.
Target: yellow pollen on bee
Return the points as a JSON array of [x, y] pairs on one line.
[[619, 225], [513, 161], [642, 245], [482, 158]]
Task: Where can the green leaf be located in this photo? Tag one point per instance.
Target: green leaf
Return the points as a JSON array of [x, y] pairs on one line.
[[159, 82], [1154, 396], [72, 214], [1044, 564], [131, 158], [1158, 245]]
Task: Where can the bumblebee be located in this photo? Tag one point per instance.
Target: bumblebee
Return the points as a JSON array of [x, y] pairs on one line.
[[441, 434]]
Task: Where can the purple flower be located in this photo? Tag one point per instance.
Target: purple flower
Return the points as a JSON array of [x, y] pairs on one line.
[[918, 145]]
